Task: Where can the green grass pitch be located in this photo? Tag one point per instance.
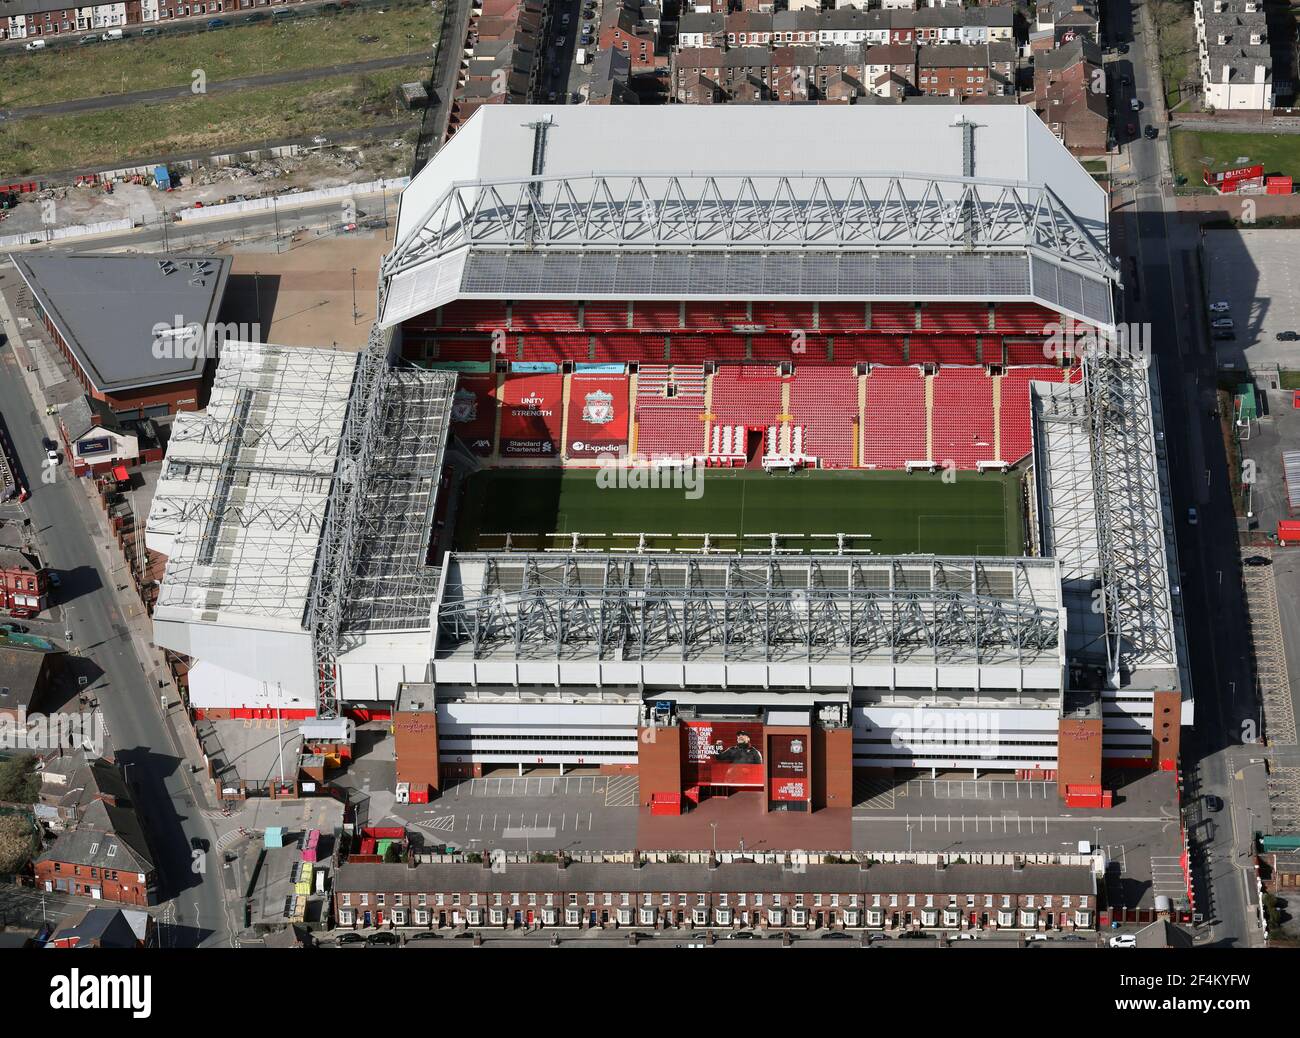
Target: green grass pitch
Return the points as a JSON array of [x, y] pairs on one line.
[[972, 515]]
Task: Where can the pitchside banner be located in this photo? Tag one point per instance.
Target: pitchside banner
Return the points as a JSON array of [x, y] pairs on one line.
[[724, 753], [473, 412], [598, 416], [787, 767], [530, 420]]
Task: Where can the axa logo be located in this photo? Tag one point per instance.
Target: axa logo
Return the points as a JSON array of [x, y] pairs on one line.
[[76, 990]]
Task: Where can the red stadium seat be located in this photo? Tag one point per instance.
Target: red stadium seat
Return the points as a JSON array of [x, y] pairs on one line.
[[605, 317], [1029, 318], [473, 315], [877, 349], [841, 317], [963, 417], [670, 426], [748, 395], [893, 317], [825, 402], [970, 318], [532, 316], [895, 424], [655, 317], [942, 349], [1014, 416], [784, 316]]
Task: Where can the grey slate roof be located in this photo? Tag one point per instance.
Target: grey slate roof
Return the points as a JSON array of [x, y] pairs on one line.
[[105, 928], [107, 306], [20, 671], [78, 415], [650, 878]]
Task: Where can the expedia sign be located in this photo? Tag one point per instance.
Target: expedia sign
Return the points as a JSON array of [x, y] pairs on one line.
[[598, 416]]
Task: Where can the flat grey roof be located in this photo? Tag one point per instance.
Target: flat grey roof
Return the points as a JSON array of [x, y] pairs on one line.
[[106, 307]]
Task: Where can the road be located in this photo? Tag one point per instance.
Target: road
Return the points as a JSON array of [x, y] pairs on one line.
[[159, 779], [185, 91], [1165, 294]]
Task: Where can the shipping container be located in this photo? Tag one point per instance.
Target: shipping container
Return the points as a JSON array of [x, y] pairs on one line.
[[1288, 532]]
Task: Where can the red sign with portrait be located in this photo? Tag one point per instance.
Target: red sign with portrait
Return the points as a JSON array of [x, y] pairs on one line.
[[724, 753]]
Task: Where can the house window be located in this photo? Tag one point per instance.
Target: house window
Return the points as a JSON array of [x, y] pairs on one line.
[[548, 916], [799, 916], [399, 917], [701, 916], [776, 916], [571, 917], [1028, 919], [422, 917], [723, 916], [1006, 918], [497, 917], [624, 916], [929, 917], [345, 918], [647, 917], [347, 899]]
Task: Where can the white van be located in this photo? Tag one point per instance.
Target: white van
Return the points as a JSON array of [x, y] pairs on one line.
[[112, 34], [35, 45]]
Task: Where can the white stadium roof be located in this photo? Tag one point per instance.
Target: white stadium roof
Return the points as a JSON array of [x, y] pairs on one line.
[[739, 202]]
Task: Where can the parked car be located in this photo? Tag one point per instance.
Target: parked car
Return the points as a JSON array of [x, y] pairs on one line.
[[51, 458], [1287, 336], [113, 34], [565, 18], [150, 31], [54, 579], [352, 938], [837, 935], [1150, 133], [383, 939], [198, 843], [217, 23], [1192, 517], [1124, 940], [560, 41], [1135, 104], [742, 935], [1072, 937], [320, 141], [35, 45], [1222, 323], [1256, 560], [1219, 307], [22, 612], [1213, 803], [1038, 937], [13, 628], [85, 41], [1225, 335], [424, 935]]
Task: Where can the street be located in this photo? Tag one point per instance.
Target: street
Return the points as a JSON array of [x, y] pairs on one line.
[[169, 802]]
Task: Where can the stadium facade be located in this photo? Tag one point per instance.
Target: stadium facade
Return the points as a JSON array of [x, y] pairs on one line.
[[557, 269]]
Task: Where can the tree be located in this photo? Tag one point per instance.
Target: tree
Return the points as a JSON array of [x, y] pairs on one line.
[[17, 842], [19, 783]]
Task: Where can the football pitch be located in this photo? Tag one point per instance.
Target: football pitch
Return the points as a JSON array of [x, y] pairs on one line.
[[886, 513]]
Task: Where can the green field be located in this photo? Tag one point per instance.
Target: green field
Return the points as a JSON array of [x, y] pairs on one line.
[[886, 512], [145, 63], [1280, 153], [217, 122]]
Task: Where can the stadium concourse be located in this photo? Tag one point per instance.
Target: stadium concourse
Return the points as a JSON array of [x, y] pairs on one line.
[[912, 499]]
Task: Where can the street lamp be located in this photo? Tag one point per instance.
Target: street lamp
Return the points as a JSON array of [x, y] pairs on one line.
[[354, 296], [714, 827]]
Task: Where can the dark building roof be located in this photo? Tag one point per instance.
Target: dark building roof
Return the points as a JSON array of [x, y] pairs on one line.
[[1164, 934], [1079, 49], [107, 307], [109, 833], [105, 928], [85, 413], [882, 879], [20, 676]]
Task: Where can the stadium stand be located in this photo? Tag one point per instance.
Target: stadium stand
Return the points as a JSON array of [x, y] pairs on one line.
[[893, 317], [531, 415], [530, 316], [963, 416], [1022, 317], [716, 317], [655, 317], [824, 403], [806, 346], [841, 317], [1024, 351], [557, 348], [877, 349], [970, 318], [669, 426], [605, 317], [1015, 418], [473, 314], [747, 395], [476, 348], [942, 349], [895, 424], [627, 346], [784, 315]]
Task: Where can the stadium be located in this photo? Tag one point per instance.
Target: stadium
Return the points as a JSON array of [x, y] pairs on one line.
[[668, 458]]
